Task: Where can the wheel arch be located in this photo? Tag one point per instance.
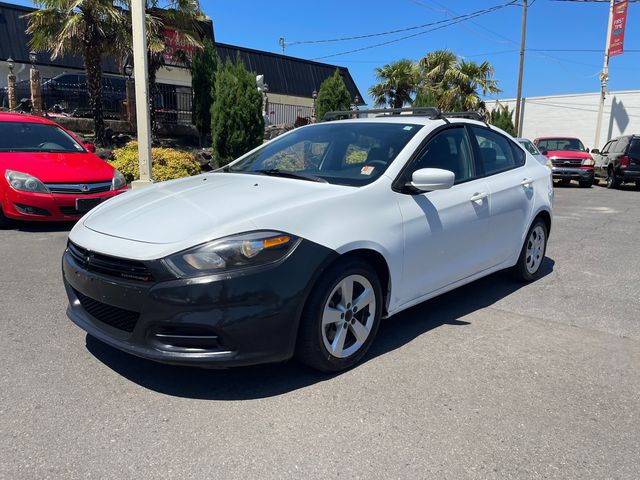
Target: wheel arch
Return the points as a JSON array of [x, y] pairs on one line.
[[378, 263], [545, 215]]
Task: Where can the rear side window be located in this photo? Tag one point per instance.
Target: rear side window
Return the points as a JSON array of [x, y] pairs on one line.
[[497, 152], [622, 145]]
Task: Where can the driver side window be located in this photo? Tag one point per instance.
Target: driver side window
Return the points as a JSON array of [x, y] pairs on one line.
[[448, 150]]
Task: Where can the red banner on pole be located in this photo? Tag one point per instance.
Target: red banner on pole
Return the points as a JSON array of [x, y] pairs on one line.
[[619, 21]]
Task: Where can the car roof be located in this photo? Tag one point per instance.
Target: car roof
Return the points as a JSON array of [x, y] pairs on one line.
[[23, 118], [413, 119]]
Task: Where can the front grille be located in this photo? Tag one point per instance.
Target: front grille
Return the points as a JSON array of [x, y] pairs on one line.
[[108, 265], [79, 188], [116, 317], [567, 162]]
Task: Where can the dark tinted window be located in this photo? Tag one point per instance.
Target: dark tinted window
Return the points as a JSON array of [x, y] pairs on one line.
[[498, 155], [35, 137], [634, 149], [448, 150]]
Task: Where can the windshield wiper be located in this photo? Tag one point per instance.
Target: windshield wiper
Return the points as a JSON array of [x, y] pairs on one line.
[[276, 172]]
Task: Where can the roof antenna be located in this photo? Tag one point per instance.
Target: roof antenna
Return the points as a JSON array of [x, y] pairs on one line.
[[282, 45]]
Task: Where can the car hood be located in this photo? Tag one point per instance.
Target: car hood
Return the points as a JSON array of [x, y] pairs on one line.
[[58, 167], [198, 209], [568, 154]]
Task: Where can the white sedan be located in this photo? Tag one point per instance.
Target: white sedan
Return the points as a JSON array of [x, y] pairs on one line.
[[302, 245]]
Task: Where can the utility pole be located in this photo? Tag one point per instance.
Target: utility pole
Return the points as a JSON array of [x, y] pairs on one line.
[[523, 39], [282, 45], [604, 77], [141, 72]]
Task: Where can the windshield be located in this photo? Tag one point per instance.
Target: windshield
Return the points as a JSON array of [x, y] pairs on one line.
[[36, 137], [345, 153], [529, 146], [567, 144]]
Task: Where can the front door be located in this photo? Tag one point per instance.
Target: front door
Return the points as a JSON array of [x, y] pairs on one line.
[[445, 231]]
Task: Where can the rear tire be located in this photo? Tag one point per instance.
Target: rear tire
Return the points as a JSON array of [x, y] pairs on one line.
[[637, 184], [533, 252], [341, 317], [612, 180]]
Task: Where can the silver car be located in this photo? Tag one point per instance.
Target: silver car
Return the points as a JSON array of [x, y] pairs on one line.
[[533, 150]]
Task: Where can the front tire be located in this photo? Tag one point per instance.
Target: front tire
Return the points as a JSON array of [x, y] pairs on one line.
[[341, 317], [4, 221], [533, 252], [585, 183]]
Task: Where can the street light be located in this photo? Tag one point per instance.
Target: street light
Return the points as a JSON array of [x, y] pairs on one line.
[[314, 95], [33, 56], [128, 70], [11, 65]]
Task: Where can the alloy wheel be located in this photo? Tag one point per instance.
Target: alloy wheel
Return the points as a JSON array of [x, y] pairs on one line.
[[535, 249], [348, 316]]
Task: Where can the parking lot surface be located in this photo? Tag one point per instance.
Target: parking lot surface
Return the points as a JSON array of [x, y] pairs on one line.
[[494, 380]]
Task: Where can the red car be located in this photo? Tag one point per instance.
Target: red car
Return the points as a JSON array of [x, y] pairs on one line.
[[48, 174], [570, 159]]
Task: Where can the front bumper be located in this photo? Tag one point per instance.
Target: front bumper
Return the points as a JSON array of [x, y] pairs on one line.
[[572, 173], [241, 318], [47, 207]]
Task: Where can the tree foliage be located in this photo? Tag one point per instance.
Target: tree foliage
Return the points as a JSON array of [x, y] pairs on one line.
[[90, 28], [237, 124], [398, 82], [333, 95], [439, 79], [502, 118], [203, 77]]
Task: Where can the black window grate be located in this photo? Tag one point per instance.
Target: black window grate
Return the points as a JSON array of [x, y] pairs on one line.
[[116, 317]]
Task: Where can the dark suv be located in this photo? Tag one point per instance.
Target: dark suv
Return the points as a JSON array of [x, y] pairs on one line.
[[619, 161]]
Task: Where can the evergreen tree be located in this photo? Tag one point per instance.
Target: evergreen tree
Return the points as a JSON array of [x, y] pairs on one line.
[[203, 77], [333, 95], [237, 124], [501, 117]]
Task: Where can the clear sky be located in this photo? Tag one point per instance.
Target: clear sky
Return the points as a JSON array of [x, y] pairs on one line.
[[552, 25]]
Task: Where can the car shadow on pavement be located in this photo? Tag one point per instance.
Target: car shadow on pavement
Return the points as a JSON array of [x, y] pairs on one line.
[[276, 379]]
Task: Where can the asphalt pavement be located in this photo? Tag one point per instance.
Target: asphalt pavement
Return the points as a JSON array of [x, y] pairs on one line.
[[495, 380]]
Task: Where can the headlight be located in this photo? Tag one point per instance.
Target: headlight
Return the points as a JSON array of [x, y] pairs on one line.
[[25, 182], [588, 162], [118, 180], [549, 164], [232, 253]]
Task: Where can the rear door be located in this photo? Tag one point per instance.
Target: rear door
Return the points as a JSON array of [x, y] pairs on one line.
[[511, 186]]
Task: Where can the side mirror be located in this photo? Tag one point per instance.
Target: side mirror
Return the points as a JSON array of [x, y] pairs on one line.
[[595, 150], [427, 179], [91, 147], [544, 151]]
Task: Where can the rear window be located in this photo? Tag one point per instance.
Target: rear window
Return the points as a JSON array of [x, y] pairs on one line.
[[634, 149]]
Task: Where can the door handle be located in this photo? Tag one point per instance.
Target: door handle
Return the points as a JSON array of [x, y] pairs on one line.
[[478, 197], [526, 183]]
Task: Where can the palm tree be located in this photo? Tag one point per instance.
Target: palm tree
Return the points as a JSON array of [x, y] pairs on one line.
[[91, 28], [397, 84], [455, 84]]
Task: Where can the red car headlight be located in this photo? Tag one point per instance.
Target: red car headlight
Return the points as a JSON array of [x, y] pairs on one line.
[[25, 182]]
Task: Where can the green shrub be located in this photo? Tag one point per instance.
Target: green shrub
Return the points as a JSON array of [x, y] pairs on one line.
[[333, 95], [167, 163]]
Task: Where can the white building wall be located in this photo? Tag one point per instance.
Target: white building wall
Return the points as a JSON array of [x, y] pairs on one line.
[[576, 115]]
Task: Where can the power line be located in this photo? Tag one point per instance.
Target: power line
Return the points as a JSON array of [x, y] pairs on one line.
[[441, 25]]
